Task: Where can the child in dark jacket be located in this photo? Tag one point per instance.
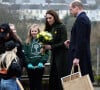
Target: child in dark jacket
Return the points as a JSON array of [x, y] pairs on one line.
[[10, 67], [36, 57]]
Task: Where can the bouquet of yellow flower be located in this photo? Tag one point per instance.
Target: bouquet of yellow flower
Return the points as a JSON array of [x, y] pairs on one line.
[[44, 37]]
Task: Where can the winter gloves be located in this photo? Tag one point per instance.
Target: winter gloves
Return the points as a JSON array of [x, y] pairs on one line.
[[30, 66], [40, 65]]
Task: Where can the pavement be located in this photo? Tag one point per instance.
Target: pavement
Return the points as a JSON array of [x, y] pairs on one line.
[[96, 88]]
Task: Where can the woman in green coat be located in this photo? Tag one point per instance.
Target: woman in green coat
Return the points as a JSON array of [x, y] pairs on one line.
[[58, 49]]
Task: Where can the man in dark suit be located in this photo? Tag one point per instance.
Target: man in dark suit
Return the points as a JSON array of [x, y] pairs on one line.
[[79, 47]]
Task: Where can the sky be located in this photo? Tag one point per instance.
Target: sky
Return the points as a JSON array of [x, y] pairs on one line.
[[43, 1], [32, 1]]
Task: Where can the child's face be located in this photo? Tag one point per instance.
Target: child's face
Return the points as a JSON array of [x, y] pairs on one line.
[[34, 32]]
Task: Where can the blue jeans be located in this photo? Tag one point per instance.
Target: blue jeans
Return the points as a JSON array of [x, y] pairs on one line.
[[9, 84]]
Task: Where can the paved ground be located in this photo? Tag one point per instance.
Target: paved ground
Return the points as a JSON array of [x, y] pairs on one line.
[[96, 88]]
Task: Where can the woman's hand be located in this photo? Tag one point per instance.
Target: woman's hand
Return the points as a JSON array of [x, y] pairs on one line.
[[48, 47], [67, 42]]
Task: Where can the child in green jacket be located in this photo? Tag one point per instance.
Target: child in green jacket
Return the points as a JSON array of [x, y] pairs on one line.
[[36, 57]]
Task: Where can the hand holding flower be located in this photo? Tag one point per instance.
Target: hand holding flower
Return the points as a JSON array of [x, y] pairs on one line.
[[67, 42], [48, 47]]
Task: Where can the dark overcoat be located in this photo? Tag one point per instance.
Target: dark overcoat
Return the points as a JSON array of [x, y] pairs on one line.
[[80, 45], [58, 56]]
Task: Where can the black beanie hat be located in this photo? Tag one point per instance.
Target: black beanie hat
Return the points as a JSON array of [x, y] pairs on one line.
[[5, 27], [10, 45]]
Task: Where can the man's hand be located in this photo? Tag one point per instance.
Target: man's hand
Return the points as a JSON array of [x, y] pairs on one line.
[[76, 61]]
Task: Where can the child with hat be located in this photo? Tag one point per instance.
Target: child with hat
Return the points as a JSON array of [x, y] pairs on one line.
[[10, 67]]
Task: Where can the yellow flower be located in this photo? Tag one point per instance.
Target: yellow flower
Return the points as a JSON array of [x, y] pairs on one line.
[[55, 32], [37, 35], [44, 37]]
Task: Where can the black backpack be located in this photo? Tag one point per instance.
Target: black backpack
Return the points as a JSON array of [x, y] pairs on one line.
[[15, 68]]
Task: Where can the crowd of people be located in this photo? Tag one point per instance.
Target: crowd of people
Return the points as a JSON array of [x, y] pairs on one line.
[[32, 55]]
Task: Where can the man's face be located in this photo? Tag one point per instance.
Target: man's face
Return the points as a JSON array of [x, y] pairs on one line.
[[73, 10]]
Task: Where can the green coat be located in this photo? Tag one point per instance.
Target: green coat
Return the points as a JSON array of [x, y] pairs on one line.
[[32, 53], [58, 56], [59, 50]]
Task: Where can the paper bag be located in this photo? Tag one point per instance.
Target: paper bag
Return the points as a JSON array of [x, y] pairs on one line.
[[70, 77], [80, 83], [76, 82]]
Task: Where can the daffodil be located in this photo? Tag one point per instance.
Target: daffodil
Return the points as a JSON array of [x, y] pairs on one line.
[[44, 37]]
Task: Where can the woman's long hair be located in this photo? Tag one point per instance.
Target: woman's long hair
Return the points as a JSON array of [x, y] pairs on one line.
[[56, 18], [7, 58], [14, 37], [29, 36]]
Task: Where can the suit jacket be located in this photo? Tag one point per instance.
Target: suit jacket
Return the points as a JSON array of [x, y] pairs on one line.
[[80, 44]]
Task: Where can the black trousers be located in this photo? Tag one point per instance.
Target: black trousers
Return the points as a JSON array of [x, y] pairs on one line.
[[35, 78]]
